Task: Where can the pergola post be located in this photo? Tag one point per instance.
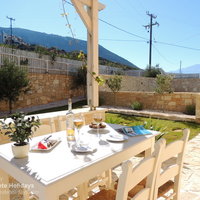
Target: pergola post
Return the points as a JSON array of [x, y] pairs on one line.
[[88, 11]]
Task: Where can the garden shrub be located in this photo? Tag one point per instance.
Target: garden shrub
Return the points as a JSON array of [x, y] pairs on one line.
[[164, 84], [190, 109], [136, 105], [152, 72]]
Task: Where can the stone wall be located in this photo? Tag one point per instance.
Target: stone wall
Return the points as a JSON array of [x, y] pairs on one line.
[[46, 88], [133, 83], [187, 85], [170, 102]]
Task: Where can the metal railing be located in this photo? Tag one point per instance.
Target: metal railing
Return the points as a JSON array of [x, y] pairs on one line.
[[179, 76], [37, 65], [59, 66]]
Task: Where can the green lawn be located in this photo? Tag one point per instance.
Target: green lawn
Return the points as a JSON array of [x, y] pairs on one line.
[[172, 129]]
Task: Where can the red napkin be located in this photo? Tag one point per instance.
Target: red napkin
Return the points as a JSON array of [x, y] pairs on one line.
[[41, 146]]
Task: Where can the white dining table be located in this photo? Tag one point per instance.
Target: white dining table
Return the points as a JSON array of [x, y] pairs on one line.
[[49, 174]]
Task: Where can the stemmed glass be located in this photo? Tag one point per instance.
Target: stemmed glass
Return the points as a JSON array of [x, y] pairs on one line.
[[78, 123], [98, 119]]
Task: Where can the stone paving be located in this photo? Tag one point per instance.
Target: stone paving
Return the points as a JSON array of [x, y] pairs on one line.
[[190, 189]]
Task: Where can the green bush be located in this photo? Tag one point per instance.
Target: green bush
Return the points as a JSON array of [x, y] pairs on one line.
[[190, 109], [136, 105], [152, 72], [164, 83], [101, 101]]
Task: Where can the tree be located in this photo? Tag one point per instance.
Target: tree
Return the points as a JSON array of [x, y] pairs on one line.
[[13, 82], [114, 83], [164, 84], [152, 72], [81, 77]]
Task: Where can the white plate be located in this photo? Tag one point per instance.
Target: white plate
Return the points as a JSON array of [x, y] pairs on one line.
[[117, 138], [35, 147], [99, 127], [100, 130], [83, 149]]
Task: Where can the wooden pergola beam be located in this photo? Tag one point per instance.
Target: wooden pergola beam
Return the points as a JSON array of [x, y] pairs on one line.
[[89, 4], [88, 11]]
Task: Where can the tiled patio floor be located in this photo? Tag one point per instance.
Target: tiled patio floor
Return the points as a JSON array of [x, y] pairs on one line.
[[191, 171]]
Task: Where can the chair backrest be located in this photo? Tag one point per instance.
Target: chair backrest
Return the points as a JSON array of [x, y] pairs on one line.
[[61, 122], [130, 176], [47, 126], [4, 138], [175, 150]]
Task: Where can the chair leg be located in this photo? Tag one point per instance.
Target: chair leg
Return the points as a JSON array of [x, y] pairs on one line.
[[177, 186], [26, 194], [109, 182], [82, 191]]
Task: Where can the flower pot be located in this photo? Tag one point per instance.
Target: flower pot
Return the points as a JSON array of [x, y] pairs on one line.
[[20, 151]]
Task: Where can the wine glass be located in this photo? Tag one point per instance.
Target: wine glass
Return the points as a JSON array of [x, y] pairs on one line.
[[78, 123], [98, 119]]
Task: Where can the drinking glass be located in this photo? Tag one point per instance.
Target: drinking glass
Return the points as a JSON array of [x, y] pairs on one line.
[[97, 117], [78, 123]]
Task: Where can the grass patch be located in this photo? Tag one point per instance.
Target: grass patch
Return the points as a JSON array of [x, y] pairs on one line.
[[169, 127]]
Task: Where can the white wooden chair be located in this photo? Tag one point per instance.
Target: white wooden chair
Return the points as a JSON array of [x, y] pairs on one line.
[[4, 139], [61, 123], [130, 178], [169, 178], [47, 126]]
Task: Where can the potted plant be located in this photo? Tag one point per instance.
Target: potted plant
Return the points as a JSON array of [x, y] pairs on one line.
[[20, 131]]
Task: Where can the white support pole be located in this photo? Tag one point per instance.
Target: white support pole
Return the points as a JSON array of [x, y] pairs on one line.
[[95, 52], [89, 65], [90, 19]]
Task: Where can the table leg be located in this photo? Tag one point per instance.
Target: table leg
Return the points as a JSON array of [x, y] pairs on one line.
[[4, 186]]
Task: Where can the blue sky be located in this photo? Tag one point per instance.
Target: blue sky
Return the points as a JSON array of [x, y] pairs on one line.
[[179, 25]]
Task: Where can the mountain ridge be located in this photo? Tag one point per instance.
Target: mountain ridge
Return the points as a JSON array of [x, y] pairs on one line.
[[193, 69], [66, 43]]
